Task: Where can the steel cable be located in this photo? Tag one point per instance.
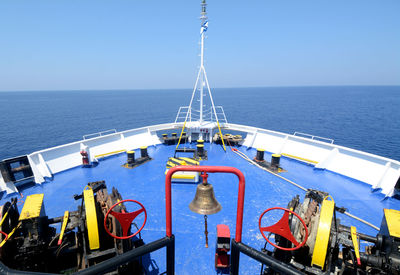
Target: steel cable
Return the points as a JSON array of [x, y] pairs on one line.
[[244, 156]]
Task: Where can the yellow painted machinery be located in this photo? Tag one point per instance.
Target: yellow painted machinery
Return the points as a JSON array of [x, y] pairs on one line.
[[183, 176], [310, 238], [92, 234]]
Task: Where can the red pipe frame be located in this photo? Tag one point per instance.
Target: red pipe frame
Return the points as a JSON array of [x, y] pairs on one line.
[[204, 169]]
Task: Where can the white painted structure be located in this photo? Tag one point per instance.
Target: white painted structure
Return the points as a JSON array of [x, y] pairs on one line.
[[379, 172]]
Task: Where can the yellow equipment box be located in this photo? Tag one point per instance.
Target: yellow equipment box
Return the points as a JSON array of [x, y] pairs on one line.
[[33, 207], [393, 222]]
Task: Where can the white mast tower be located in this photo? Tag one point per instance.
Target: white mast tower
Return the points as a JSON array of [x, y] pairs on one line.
[[206, 122], [202, 76]]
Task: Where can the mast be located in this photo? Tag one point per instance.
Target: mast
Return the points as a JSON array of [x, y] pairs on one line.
[[202, 81], [203, 29]]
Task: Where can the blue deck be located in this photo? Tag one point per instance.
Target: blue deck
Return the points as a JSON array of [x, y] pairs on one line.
[[263, 190]]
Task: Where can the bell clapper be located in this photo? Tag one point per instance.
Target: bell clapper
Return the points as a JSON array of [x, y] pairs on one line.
[[205, 230]]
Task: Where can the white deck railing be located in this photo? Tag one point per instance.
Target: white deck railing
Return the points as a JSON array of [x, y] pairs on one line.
[[98, 134], [194, 115], [379, 172], [314, 137], [45, 163]]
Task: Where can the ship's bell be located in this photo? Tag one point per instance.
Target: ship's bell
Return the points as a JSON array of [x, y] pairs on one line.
[[204, 201]]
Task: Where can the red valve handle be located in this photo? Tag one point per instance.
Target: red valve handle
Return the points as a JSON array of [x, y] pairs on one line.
[[282, 228], [125, 219], [5, 234]]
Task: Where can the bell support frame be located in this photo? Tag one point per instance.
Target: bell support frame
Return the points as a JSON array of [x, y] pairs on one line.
[[206, 169]]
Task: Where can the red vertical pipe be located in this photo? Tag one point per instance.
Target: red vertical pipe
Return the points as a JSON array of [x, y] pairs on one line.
[[208, 169]]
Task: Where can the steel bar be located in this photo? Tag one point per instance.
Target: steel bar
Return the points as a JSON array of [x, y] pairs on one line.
[[261, 257]]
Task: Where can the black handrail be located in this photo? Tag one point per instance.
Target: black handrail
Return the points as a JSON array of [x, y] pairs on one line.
[[239, 247], [113, 263]]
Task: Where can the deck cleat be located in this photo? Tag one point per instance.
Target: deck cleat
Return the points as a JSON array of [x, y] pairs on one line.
[[272, 166], [132, 162]]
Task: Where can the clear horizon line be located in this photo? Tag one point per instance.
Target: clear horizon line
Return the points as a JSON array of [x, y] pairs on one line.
[[191, 88]]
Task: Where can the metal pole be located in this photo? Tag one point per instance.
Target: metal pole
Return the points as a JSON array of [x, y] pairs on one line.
[[235, 253], [213, 108], [201, 90], [171, 256], [191, 99], [273, 263], [203, 30]]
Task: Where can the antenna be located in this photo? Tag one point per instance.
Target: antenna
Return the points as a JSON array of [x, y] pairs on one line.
[[203, 29], [202, 80]]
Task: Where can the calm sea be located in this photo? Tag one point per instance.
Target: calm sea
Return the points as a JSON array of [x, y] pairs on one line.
[[364, 118]]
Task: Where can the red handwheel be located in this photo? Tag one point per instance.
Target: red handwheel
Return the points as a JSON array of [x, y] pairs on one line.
[[5, 234], [125, 219], [282, 228]]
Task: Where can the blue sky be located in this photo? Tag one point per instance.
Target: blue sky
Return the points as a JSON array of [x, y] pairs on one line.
[[122, 44]]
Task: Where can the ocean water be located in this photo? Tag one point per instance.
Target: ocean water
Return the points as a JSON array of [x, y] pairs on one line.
[[363, 118]]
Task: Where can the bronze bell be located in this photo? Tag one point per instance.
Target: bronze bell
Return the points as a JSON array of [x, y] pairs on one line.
[[204, 201]]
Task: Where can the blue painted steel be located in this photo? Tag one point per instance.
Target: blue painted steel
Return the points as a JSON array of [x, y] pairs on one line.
[[263, 190]]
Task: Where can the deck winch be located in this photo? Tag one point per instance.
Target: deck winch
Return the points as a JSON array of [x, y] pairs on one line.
[[97, 231], [230, 139], [311, 239]]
